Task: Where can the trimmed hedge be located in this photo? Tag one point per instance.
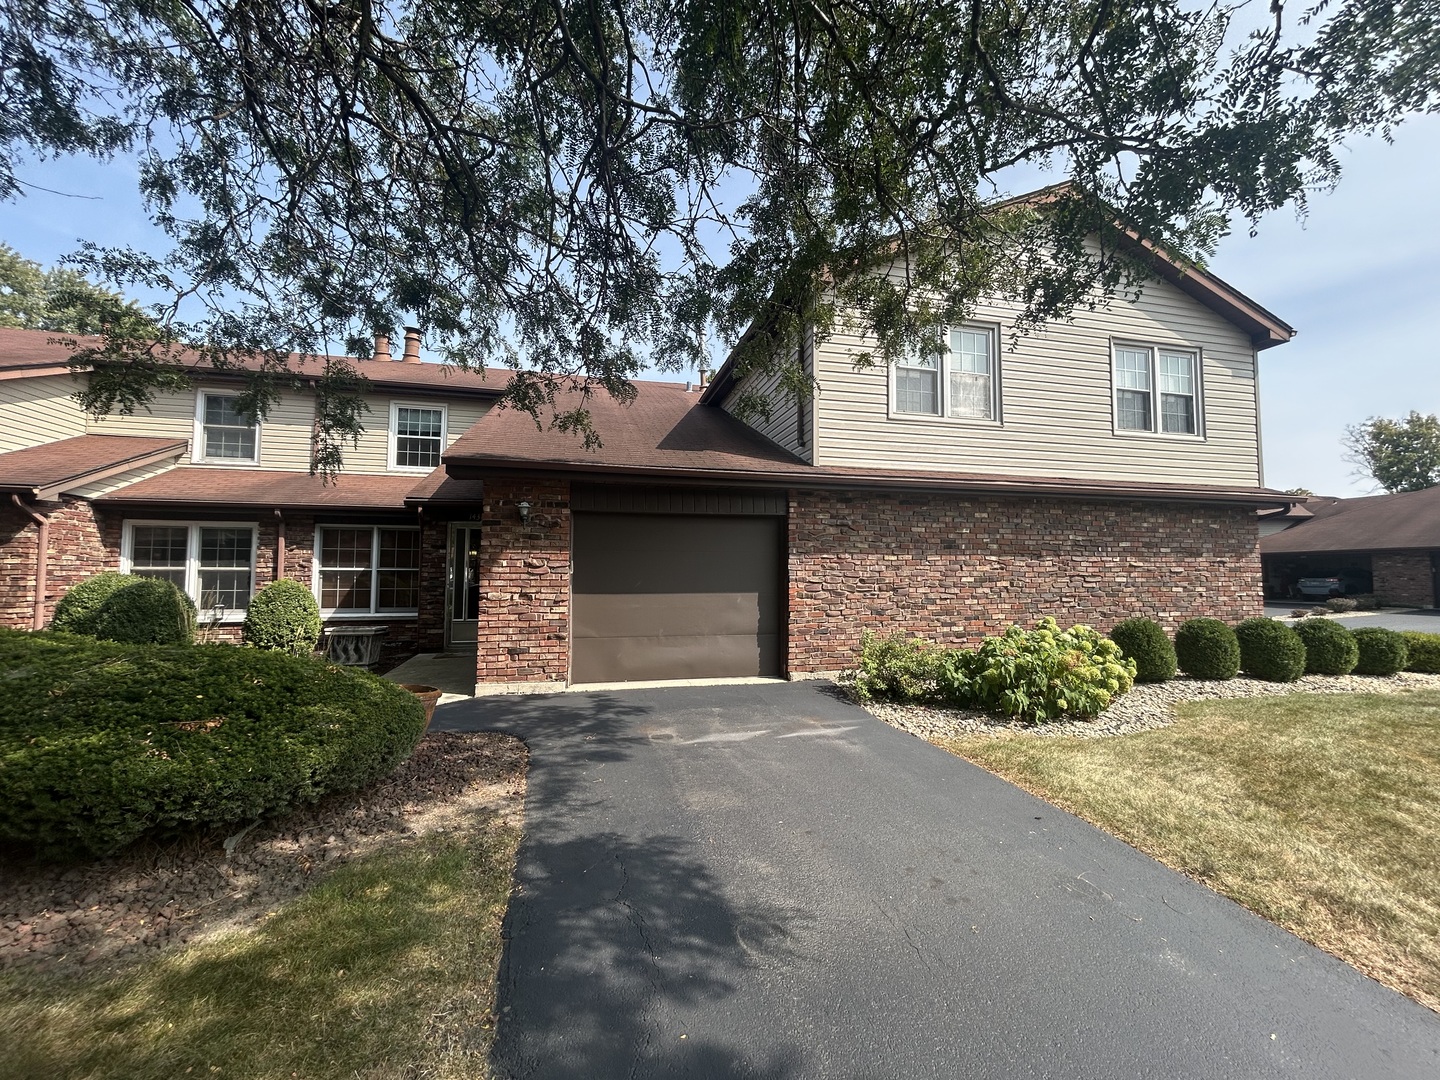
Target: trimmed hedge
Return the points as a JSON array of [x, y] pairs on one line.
[[1206, 649], [1270, 650], [1330, 649], [1380, 651], [75, 612], [148, 611], [127, 609], [101, 744], [1424, 651], [1144, 641], [284, 616]]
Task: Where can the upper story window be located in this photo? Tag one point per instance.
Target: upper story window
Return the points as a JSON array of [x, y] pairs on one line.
[[1156, 389], [213, 564], [957, 382], [222, 433], [417, 436]]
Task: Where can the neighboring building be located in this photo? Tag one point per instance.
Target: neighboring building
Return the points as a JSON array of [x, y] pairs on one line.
[[1104, 467], [1388, 544]]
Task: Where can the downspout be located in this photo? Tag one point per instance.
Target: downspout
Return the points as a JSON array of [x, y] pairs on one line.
[[42, 558], [279, 546]]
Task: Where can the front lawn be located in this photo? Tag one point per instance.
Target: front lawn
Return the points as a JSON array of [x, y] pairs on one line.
[[1319, 812]]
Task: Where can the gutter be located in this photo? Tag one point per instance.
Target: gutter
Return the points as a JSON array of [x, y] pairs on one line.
[[42, 558]]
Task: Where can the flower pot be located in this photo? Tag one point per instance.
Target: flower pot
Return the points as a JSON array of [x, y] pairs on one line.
[[429, 697]]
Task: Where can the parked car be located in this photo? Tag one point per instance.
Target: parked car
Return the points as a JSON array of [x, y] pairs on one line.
[[1322, 588]]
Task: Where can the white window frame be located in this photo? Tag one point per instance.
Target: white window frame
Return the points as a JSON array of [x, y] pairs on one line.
[[330, 614], [197, 444], [1154, 349], [393, 441], [942, 370], [192, 556]]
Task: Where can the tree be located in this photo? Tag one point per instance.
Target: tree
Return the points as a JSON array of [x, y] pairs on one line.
[[1304, 493], [1402, 455], [58, 299], [582, 188]]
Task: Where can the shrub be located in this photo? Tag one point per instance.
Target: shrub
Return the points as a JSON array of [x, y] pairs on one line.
[[1144, 641], [1381, 651], [147, 611], [75, 612], [1366, 602], [895, 668], [1299, 612], [284, 616], [1423, 651], [1341, 603], [1041, 674], [1270, 650], [1207, 649], [1330, 649], [101, 743]]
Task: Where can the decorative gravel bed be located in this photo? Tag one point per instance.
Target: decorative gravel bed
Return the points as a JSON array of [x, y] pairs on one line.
[[153, 895], [1149, 705]]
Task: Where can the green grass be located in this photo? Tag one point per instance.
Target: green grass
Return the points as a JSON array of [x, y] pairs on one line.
[[1319, 812], [384, 970]]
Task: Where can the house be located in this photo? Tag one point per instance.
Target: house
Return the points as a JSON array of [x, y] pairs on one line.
[[1100, 468], [1386, 544]]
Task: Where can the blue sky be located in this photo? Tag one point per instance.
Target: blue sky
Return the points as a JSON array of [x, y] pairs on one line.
[[1359, 278]]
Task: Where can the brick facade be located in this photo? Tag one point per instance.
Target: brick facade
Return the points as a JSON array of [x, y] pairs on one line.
[[524, 631], [954, 569], [85, 541], [1403, 577]]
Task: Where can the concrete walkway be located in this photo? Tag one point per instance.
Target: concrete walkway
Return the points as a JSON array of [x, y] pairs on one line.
[[766, 882], [452, 673]]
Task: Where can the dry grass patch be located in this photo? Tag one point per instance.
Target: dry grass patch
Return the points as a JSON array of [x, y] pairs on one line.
[[1319, 812], [384, 968]]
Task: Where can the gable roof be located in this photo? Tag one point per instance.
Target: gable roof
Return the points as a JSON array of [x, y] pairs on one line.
[[42, 352], [1403, 521], [43, 472]]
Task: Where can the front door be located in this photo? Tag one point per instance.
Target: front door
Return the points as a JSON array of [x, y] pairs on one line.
[[463, 602]]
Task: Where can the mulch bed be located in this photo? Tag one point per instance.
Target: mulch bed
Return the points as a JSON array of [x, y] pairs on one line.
[[155, 894]]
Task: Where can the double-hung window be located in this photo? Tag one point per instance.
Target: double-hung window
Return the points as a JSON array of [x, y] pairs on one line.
[[213, 564], [957, 381], [368, 570], [417, 436], [1156, 389], [222, 432]]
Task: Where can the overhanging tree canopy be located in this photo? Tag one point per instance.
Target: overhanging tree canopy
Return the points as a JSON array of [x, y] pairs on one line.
[[583, 187]]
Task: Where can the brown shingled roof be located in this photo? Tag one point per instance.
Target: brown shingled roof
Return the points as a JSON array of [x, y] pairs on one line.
[[666, 434], [45, 471], [251, 489], [1403, 521], [34, 352]]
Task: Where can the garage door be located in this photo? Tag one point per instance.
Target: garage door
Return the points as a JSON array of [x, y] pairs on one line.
[[675, 596]]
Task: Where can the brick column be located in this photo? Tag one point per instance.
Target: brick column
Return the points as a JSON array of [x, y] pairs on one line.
[[1403, 577], [524, 631]]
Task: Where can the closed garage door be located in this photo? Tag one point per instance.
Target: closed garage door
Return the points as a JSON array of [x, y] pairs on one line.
[[674, 596]]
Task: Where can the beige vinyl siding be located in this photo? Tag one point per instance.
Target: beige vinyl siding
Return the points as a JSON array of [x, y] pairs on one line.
[[134, 476], [285, 433], [38, 410], [1056, 412], [782, 425]]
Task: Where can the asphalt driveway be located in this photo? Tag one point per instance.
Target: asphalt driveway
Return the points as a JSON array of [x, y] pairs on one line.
[[763, 881]]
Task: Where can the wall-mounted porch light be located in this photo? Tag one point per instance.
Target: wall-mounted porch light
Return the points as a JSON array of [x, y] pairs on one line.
[[524, 508]]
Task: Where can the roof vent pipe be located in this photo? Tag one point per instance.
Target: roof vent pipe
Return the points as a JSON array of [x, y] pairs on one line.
[[382, 346], [412, 345]]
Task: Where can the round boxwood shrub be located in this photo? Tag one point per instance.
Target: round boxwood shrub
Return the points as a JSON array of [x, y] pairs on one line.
[[1423, 650], [1207, 649], [284, 616], [75, 612], [1144, 641], [101, 744], [1380, 651], [1270, 650], [148, 611], [1330, 649]]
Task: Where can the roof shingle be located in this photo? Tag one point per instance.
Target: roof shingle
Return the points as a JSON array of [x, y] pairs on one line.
[[50, 467], [1403, 521]]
